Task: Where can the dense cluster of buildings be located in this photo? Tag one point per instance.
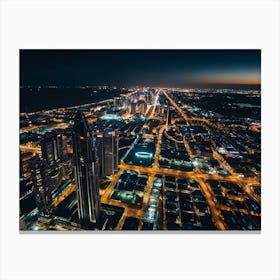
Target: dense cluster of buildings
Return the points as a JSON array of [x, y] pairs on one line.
[[69, 157], [70, 148]]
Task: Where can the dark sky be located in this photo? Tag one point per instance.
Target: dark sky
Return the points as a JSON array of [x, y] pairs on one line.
[[139, 67]]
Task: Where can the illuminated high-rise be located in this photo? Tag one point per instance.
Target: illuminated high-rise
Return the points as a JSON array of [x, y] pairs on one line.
[[49, 149], [53, 148], [108, 151], [86, 169], [169, 116], [41, 184], [133, 107], [53, 153]]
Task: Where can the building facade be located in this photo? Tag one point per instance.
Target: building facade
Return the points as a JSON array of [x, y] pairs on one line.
[[86, 170], [42, 187], [53, 148], [108, 151]]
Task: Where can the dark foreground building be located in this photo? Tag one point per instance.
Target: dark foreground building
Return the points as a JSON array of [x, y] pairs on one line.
[[86, 170], [42, 188]]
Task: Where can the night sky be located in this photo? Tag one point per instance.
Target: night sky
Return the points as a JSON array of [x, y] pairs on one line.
[[179, 68]]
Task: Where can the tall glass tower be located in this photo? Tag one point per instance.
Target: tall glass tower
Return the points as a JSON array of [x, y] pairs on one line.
[[49, 148], [86, 169], [108, 150]]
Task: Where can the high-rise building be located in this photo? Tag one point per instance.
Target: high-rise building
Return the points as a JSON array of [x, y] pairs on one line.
[[149, 98], [124, 103], [20, 165], [169, 116], [108, 151], [143, 97], [86, 170], [49, 149], [117, 102], [41, 184], [133, 107], [61, 142], [52, 148], [141, 107]]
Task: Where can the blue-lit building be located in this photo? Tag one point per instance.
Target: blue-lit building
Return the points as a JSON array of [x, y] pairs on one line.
[[86, 170]]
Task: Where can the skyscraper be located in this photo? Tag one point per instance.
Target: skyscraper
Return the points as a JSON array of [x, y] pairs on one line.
[[52, 154], [61, 145], [149, 98], [141, 107], [53, 148], [168, 117], [86, 169], [133, 107], [41, 184], [49, 149], [108, 151], [20, 165]]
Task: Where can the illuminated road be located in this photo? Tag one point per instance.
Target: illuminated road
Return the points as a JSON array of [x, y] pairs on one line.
[[71, 188], [249, 189], [187, 174], [222, 162], [157, 153], [214, 211], [26, 149], [187, 146], [175, 105], [172, 138]]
